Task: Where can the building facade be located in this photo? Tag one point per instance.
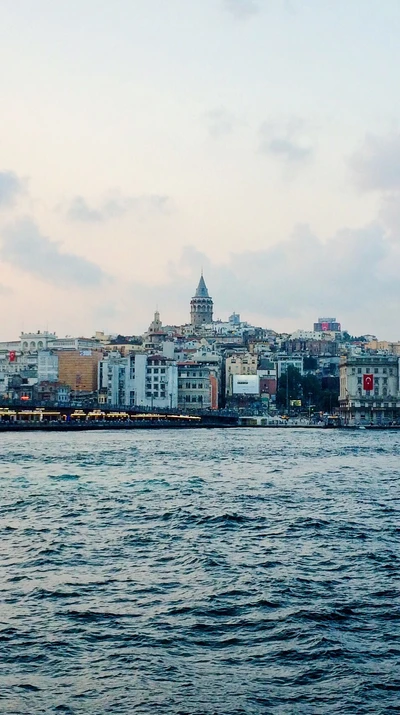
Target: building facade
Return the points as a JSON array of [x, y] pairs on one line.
[[238, 364], [197, 386], [369, 389], [79, 369], [145, 381], [325, 324]]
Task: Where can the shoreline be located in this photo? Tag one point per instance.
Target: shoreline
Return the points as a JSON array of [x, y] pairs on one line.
[[77, 427]]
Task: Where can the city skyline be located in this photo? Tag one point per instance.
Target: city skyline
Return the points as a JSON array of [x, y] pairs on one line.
[[145, 140]]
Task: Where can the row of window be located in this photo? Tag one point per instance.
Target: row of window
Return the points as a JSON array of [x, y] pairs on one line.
[[155, 394], [193, 374], [368, 370], [156, 369], [376, 391], [384, 380]]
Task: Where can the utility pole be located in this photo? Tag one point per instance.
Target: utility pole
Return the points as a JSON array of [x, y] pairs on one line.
[[287, 390]]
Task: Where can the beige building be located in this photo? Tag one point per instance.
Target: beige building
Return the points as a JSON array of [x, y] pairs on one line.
[[393, 348], [79, 369], [238, 364]]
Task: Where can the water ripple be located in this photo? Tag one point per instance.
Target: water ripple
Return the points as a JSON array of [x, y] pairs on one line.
[[224, 572]]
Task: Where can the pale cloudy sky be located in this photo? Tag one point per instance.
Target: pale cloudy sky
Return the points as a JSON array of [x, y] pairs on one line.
[[143, 139]]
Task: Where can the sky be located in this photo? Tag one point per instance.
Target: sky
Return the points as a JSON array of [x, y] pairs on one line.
[[142, 141]]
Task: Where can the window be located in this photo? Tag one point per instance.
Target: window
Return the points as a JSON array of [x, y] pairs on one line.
[[384, 370], [376, 370], [163, 370], [390, 371], [353, 370], [193, 385], [188, 385], [384, 391], [359, 380], [194, 398], [187, 398], [148, 394], [155, 369], [359, 370], [368, 369]]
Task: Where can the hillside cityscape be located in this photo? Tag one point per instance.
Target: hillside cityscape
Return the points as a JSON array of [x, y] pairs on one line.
[[209, 365]]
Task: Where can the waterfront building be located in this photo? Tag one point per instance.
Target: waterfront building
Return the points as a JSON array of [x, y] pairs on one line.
[[79, 368], [52, 392], [156, 382], [369, 389], [201, 306], [198, 386], [47, 366], [267, 376], [138, 380]]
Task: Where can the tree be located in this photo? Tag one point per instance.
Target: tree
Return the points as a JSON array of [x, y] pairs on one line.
[[289, 386]]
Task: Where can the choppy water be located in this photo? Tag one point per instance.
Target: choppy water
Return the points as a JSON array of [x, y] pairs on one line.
[[237, 571]]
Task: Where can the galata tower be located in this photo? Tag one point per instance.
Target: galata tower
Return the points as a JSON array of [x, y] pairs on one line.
[[201, 305]]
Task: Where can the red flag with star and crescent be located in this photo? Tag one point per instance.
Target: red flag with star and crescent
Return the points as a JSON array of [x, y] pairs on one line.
[[368, 382]]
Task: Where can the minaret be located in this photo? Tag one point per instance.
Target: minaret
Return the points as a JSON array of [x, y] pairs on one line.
[[201, 305]]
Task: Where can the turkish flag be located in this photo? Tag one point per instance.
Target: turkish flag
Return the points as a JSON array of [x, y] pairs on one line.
[[368, 382], [12, 356]]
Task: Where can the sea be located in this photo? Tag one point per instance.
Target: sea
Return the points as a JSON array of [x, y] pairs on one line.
[[200, 572]]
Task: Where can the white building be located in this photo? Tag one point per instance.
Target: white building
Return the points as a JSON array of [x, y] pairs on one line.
[[156, 382], [138, 381], [369, 389], [47, 366], [283, 362]]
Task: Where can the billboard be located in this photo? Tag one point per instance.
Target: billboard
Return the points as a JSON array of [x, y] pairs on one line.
[[246, 385]]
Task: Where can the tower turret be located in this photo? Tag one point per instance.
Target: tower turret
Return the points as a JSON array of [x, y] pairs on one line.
[[201, 305]]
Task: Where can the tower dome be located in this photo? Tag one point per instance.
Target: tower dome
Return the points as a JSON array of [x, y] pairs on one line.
[[201, 305]]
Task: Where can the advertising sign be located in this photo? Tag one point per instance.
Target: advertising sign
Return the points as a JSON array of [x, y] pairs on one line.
[[246, 385]]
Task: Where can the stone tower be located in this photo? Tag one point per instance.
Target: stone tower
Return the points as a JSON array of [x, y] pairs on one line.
[[201, 305]]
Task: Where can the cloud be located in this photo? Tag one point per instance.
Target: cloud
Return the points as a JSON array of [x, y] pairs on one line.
[[221, 122], [390, 214], [242, 9], [11, 186], [288, 141], [115, 206], [376, 166], [353, 276], [25, 247]]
